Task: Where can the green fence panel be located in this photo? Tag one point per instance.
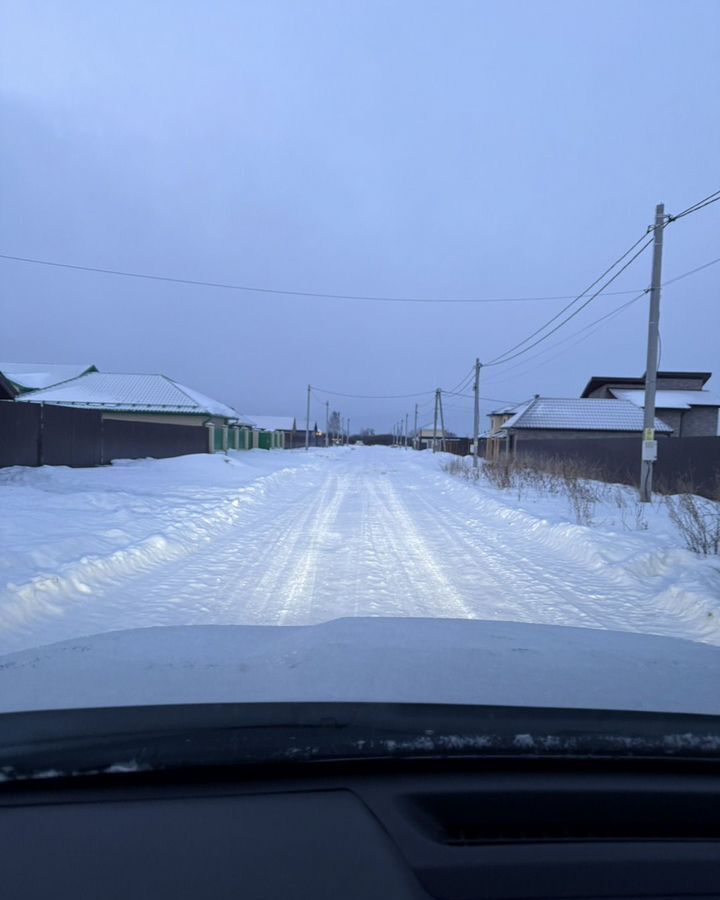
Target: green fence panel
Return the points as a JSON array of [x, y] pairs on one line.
[[265, 440], [219, 435]]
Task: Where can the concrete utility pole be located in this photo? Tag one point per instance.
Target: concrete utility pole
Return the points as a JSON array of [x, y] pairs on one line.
[[415, 434], [406, 431], [443, 445], [307, 421], [649, 444], [437, 394], [327, 423], [476, 420]]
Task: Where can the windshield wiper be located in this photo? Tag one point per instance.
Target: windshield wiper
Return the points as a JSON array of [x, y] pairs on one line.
[[69, 742]]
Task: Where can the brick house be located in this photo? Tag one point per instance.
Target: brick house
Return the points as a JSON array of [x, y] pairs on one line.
[[681, 400], [569, 417]]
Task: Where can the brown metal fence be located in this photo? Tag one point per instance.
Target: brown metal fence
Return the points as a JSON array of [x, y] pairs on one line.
[[36, 434], [136, 440], [682, 462]]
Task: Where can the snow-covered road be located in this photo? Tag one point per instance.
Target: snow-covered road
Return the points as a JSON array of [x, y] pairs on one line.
[[295, 538]]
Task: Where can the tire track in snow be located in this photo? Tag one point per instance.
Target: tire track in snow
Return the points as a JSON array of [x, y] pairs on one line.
[[429, 589]]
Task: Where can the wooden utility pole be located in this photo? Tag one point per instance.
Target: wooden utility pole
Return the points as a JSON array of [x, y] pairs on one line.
[[307, 421], [443, 445], [348, 433], [327, 423], [476, 421], [415, 434], [406, 431], [435, 418], [649, 444]]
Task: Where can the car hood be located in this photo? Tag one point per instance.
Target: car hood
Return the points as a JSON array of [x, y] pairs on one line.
[[380, 660]]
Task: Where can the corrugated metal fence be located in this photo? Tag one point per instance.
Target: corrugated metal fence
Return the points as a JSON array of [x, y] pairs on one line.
[[35, 434], [691, 461]]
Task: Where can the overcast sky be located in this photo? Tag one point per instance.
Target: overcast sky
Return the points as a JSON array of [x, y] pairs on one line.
[[427, 149]]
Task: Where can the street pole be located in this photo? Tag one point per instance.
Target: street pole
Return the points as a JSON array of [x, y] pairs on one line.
[[307, 421], [415, 434], [327, 423], [437, 394], [649, 444], [406, 431], [348, 432], [476, 421], [442, 423]]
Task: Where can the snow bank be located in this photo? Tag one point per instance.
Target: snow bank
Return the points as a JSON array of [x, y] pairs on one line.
[[67, 532]]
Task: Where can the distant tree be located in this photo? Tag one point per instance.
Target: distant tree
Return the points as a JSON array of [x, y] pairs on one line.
[[335, 422], [367, 432]]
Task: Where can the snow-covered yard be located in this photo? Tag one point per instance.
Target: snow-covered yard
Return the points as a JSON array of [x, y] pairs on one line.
[[295, 538]]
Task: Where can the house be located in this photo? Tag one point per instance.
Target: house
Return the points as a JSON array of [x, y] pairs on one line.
[[148, 399], [443, 438], [681, 400], [18, 378], [498, 417], [553, 417], [273, 431]]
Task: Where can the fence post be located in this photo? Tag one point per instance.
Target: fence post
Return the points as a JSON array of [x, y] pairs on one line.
[[41, 436]]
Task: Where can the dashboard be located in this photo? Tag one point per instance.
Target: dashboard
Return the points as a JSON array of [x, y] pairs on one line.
[[517, 829]]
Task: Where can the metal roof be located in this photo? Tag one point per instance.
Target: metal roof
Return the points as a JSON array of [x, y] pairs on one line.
[[510, 410], [272, 423], [33, 376], [598, 381], [130, 392], [669, 399], [571, 414]]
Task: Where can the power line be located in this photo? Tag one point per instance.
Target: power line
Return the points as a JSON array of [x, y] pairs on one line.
[[578, 297], [503, 358], [462, 384], [706, 265], [373, 396], [590, 328], [701, 204], [229, 286]]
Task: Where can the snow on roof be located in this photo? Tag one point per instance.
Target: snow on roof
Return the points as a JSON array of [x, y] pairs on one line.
[[130, 392], [669, 399], [571, 414], [598, 381], [272, 423], [32, 376], [512, 409]]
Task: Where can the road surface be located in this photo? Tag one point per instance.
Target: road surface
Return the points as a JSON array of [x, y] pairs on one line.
[[367, 532]]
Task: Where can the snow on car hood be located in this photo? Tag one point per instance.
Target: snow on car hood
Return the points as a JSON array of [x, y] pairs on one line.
[[368, 659]]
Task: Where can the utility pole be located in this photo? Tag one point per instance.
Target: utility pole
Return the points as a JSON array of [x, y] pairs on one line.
[[327, 423], [406, 431], [649, 444], [443, 446], [307, 422], [415, 434], [437, 394], [348, 432], [476, 420]]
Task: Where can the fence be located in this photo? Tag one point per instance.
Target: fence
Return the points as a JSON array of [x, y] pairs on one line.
[[681, 461], [35, 434], [134, 440]]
